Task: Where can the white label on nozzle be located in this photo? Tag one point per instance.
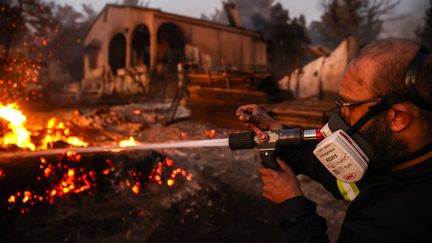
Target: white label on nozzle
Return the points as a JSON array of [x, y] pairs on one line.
[[325, 131]]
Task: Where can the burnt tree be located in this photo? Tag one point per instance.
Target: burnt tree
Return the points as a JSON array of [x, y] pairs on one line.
[[20, 18], [285, 35], [360, 18]]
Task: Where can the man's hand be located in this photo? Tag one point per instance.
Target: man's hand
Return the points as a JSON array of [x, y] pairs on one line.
[[255, 115], [280, 186]]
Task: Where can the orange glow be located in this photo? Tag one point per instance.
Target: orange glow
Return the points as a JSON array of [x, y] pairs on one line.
[[170, 182], [12, 199], [47, 172], [18, 135], [66, 132], [211, 134], [136, 188], [58, 132], [136, 112], [127, 143], [74, 180], [169, 162], [27, 196]]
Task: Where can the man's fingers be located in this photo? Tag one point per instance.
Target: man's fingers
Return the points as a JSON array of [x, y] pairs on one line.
[[269, 197], [246, 109], [284, 166], [244, 117], [247, 112], [267, 188], [267, 172]]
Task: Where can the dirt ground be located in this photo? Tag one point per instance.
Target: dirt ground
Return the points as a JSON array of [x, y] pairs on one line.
[[222, 203]]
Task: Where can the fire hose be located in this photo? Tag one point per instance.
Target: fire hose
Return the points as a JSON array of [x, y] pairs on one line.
[[266, 142]]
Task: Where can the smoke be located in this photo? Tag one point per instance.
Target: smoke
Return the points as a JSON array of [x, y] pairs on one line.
[[407, 18]]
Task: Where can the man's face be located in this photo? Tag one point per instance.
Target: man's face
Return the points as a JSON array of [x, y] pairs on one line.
[[356, 85]]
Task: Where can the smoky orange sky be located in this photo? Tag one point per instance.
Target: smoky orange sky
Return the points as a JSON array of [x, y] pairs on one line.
[[412, 11]]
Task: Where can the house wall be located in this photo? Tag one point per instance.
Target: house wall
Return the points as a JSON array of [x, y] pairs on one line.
[[322, 76]]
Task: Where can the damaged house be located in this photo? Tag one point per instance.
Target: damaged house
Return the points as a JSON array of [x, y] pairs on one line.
[[128, 46]]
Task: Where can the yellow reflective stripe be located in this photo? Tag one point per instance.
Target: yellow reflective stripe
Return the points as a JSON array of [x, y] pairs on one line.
[[342, 190], [349, 191], [355, 189]]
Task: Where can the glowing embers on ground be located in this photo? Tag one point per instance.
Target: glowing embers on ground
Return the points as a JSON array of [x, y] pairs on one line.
[[21, 136], [158, 176], [55, 180], [71, 174], [163, 173]]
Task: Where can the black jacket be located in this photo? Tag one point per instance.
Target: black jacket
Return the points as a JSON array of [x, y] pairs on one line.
[[386, 207]]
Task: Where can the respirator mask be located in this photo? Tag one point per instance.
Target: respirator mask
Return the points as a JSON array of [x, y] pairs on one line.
[[346, 154]]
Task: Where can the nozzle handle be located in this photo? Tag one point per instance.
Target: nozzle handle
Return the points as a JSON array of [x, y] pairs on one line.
[[269, 159], [241, 141]]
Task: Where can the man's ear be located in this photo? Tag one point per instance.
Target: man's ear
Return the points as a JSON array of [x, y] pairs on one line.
[[400, 117]]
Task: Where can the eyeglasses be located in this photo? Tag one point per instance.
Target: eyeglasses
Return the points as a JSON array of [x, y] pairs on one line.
[[343, 107]]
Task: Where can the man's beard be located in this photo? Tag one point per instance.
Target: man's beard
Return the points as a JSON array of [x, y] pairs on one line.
[[384, 145]]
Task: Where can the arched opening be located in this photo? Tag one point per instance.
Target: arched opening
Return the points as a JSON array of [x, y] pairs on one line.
[[117, 53], [140, 46], [171, 44]]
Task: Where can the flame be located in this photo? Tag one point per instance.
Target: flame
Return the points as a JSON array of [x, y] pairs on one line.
[[127, 143], [21, 136], [58, 132], [18, 135]]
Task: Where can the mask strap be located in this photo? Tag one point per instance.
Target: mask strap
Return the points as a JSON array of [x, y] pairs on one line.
[[374, 110], [411, 77]]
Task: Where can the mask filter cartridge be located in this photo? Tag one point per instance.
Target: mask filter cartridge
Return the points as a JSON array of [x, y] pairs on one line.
[[342, 157]]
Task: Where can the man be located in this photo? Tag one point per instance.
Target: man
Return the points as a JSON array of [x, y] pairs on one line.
[[393, 201]]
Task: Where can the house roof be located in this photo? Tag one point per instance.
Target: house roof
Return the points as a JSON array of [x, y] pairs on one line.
[[183, 18]]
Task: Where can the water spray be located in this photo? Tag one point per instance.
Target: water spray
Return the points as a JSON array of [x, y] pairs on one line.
[[267, 143]]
